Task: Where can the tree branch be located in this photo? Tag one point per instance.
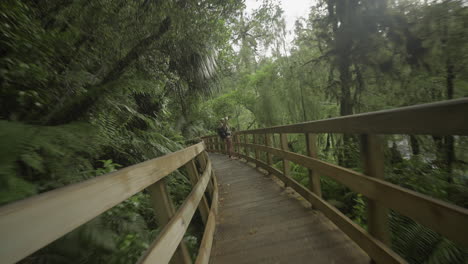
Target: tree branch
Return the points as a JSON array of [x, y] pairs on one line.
[[76, 108]]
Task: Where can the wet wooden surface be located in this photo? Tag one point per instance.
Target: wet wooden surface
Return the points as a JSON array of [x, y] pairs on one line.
[[261, 222]]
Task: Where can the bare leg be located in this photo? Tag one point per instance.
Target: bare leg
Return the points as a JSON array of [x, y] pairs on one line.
[[229, 146]]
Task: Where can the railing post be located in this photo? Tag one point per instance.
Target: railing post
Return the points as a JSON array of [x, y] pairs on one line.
[[164, 210], [226, 151], [193, 175], [314, 178], [246, 149], [286, 164], [373, 161], [268, 144], [257, 152], [238, 147], [203, 160]]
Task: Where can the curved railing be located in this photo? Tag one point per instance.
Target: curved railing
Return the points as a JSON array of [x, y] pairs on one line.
[[443, 118], [30, 224]]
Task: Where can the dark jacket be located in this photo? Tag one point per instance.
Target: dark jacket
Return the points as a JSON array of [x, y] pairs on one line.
[[224, 132]]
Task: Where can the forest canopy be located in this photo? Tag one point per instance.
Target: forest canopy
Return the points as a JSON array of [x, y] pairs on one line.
[[88, 87]]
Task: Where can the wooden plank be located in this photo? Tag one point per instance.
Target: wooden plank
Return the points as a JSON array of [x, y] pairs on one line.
[[207, 241], [215, 192], [314, 178], [447, 219], [206, 244], [166, 243], [246, 149], [446, 118], [210, 144], [207, 143], [373, 161], [376, 249], [257, 141], [58, 212], [238, 147], [164, 209], [203, 159], [260, 222], [194, 177], [284, 146], [234, 144], [268, 143]]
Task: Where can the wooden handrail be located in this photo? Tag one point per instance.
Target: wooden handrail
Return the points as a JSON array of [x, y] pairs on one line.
[[441, 118], [207, 241], [58, 212]]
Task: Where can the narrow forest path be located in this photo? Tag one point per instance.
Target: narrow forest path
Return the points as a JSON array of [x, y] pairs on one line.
[[261, 222]]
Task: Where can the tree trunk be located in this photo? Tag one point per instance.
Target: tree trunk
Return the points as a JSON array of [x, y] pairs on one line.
[[449, 141], [343, 45], [414, 145], [448, 148]]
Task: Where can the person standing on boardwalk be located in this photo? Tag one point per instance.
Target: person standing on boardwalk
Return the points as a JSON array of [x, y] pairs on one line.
[[225, 133]]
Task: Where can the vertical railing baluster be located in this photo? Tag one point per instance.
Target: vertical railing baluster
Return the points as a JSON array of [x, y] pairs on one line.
[[203, 160], [193, 175], [234, 144], [268, 143], [239, 147], [257, 152], [164, 209], [286, 164], [373, 161], [246, 149], [314, 178]]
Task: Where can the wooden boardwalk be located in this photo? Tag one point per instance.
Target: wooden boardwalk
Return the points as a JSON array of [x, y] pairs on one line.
[[261, 222]]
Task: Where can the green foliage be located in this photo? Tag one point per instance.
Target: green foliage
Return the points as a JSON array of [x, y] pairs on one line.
[[426, 246], [39, 158], [87, 87], [107, 167], [359, 211]]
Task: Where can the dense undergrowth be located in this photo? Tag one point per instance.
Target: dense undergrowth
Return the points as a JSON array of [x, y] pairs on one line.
[[88, 87]]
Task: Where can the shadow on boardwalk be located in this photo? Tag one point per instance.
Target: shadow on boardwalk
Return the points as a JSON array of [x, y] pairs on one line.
[[261, 222]]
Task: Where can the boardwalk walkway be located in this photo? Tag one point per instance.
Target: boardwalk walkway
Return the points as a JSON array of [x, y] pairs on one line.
[[261, 222]]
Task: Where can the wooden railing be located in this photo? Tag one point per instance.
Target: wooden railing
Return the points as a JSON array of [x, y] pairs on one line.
[[444, 118], [31, 224]]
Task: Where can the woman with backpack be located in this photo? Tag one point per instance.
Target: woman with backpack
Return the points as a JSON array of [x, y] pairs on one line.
[[224, 133]]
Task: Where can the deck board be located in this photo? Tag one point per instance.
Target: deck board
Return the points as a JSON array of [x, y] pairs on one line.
[[261, 222]]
